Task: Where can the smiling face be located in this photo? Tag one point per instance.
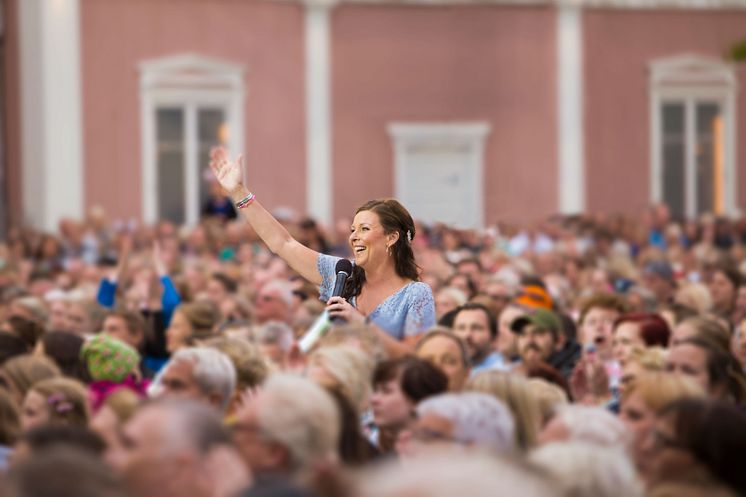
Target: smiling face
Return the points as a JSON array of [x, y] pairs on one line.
[[368, 240]]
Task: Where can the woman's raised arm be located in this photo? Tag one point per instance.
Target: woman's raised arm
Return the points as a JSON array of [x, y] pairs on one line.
[[273, 234]]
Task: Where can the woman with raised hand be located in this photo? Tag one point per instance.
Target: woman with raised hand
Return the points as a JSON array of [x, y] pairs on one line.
[[383, 288]]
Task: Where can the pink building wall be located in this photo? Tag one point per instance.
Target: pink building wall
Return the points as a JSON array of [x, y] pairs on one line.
[[618, 45], [465, 63], [12, 104], [266, 37]]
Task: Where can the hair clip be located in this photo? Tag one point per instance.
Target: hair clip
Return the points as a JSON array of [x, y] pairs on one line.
[[59, 403], [409, 236]]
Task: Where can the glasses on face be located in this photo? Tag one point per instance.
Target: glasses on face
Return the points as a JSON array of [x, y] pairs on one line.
[[426, 435], [499, 298]]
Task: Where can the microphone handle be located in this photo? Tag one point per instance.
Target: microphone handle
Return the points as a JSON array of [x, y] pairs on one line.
[[339, 284], [317, 330]]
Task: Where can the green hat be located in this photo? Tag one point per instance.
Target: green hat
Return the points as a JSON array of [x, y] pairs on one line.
[[109, 359], [543, 319]]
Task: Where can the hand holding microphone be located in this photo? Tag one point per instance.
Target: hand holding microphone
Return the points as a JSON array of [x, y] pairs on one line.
[[341, 311], [336, 312]]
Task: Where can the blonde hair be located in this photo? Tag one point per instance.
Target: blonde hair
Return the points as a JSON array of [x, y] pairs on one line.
[[515, 391], [352, 370], [66, 400], [251, 367], [695, 296], [660, 389], [361, 335], [548, 396], [123, 402], [649, 358]]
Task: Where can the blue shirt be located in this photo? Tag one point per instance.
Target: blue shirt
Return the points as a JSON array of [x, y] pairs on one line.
[[493, 361], [408, 312]]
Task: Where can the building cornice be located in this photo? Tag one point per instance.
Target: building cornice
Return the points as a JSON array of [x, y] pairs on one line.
[[590, 4]]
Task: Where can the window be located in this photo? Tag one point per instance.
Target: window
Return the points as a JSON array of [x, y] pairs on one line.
[[693, 130], [439, 171], [189, 105]]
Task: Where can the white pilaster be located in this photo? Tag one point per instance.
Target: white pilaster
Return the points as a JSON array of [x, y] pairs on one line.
[[570, 108], [318, 110], [52, 168]]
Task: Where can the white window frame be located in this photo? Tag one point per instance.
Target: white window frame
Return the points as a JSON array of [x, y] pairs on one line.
[[690, 79], [189, 82], [470, 134]]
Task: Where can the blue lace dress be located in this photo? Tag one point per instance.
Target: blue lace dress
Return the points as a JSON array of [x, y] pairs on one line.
[[410, 311]]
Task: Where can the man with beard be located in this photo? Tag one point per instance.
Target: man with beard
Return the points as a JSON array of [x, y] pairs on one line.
[[539, 336], [477, 327]]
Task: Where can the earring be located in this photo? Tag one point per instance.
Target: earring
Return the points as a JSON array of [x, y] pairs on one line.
[[388, 250]]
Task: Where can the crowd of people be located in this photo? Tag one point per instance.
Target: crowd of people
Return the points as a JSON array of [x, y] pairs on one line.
[[585, 356]]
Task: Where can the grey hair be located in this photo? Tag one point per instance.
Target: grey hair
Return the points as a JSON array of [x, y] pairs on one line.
[[301, 416], [442, 475], [283, 289], [190, 424], [586, 470], [477, 418], [593, 425], [277, 333], [212, 370]]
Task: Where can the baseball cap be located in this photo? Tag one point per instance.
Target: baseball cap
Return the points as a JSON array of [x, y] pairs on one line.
[[660, 268], [543, 319]]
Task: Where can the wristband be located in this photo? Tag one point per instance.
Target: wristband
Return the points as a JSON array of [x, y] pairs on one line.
[[246, 201]]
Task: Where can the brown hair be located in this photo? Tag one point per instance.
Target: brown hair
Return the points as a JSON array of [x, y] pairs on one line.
[[67, 400], [202, 317], [417, 377], [26, 370], [602, 301], [442, 331], [10, 423], [722, 368], [133, 320], [394, 218]]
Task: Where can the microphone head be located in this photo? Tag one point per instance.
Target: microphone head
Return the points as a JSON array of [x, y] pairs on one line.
[[343, 266]]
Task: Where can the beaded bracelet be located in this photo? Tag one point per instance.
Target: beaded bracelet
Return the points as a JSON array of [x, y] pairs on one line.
[[246, 201]]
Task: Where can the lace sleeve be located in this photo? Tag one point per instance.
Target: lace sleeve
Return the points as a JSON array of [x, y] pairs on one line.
[[325, 265], [421, 312]]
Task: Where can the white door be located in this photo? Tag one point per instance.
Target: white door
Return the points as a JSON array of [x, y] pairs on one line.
[[439, 172]]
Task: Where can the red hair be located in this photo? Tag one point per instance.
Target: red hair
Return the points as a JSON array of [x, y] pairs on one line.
[[654, 330]]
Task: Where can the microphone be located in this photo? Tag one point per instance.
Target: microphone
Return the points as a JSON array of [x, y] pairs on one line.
[[343, 270], [322, 324]]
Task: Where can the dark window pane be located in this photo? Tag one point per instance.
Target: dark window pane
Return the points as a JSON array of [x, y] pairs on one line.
[[211, 124], [673, 172], [708, 174], [171, 186], [170, 159], [170, 125]]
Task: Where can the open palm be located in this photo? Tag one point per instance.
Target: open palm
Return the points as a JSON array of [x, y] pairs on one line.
[[228, 173]]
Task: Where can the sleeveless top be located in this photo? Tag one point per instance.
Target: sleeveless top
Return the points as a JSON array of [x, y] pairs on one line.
[[410, 311]]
